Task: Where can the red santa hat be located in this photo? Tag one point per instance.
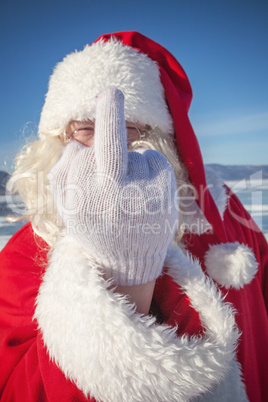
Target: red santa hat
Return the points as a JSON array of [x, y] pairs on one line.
[[157, 92], [81, 76], [155, 88]]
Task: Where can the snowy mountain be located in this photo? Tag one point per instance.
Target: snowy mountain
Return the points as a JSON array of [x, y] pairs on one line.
[[239, 172], [3, 179], [226, 172]]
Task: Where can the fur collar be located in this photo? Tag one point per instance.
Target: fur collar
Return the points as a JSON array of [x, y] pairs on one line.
[[115, 354]]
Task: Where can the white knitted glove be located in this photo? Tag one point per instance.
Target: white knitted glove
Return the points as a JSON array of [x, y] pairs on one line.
[[119, 205]]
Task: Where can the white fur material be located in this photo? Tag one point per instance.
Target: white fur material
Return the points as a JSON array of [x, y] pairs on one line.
[[229, 390], [232, 265], [115, 354], [81, 76]]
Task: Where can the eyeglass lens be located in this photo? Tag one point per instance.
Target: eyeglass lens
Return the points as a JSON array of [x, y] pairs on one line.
[[85, 135]]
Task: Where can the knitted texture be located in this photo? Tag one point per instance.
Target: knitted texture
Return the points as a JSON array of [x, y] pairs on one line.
[[121, 206]]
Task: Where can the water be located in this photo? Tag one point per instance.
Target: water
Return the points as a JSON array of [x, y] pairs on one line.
[[7, 206], [252, 194]]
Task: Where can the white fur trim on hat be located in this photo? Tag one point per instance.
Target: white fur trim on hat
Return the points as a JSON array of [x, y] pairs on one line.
[[115, 354], [81, 76], [231, 264]]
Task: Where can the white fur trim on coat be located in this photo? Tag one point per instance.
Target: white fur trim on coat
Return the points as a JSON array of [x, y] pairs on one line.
[[115, 354], [231, 264], [229, 390], [81, 76]]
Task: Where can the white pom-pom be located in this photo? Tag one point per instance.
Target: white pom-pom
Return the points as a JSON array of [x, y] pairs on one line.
[[231, 264]]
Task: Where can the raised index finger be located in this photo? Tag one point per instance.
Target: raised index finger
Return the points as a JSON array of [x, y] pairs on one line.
[[110, 134]]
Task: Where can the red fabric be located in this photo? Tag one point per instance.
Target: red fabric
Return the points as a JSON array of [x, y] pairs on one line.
[[250, 303], [26, 374], [178, 95]]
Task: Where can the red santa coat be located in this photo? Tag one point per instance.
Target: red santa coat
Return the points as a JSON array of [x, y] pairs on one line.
[[27, 373], [60, 355]]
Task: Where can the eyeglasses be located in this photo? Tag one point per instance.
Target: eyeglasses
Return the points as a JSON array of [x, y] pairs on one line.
[[85, 134]]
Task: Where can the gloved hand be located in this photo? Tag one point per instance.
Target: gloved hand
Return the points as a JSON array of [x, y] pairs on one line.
[[119, 205]]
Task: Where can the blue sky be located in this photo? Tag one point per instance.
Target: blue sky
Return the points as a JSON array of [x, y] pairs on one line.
[[222, 45]]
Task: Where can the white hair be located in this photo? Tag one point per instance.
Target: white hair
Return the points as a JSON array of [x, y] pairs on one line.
[[34, 162]]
